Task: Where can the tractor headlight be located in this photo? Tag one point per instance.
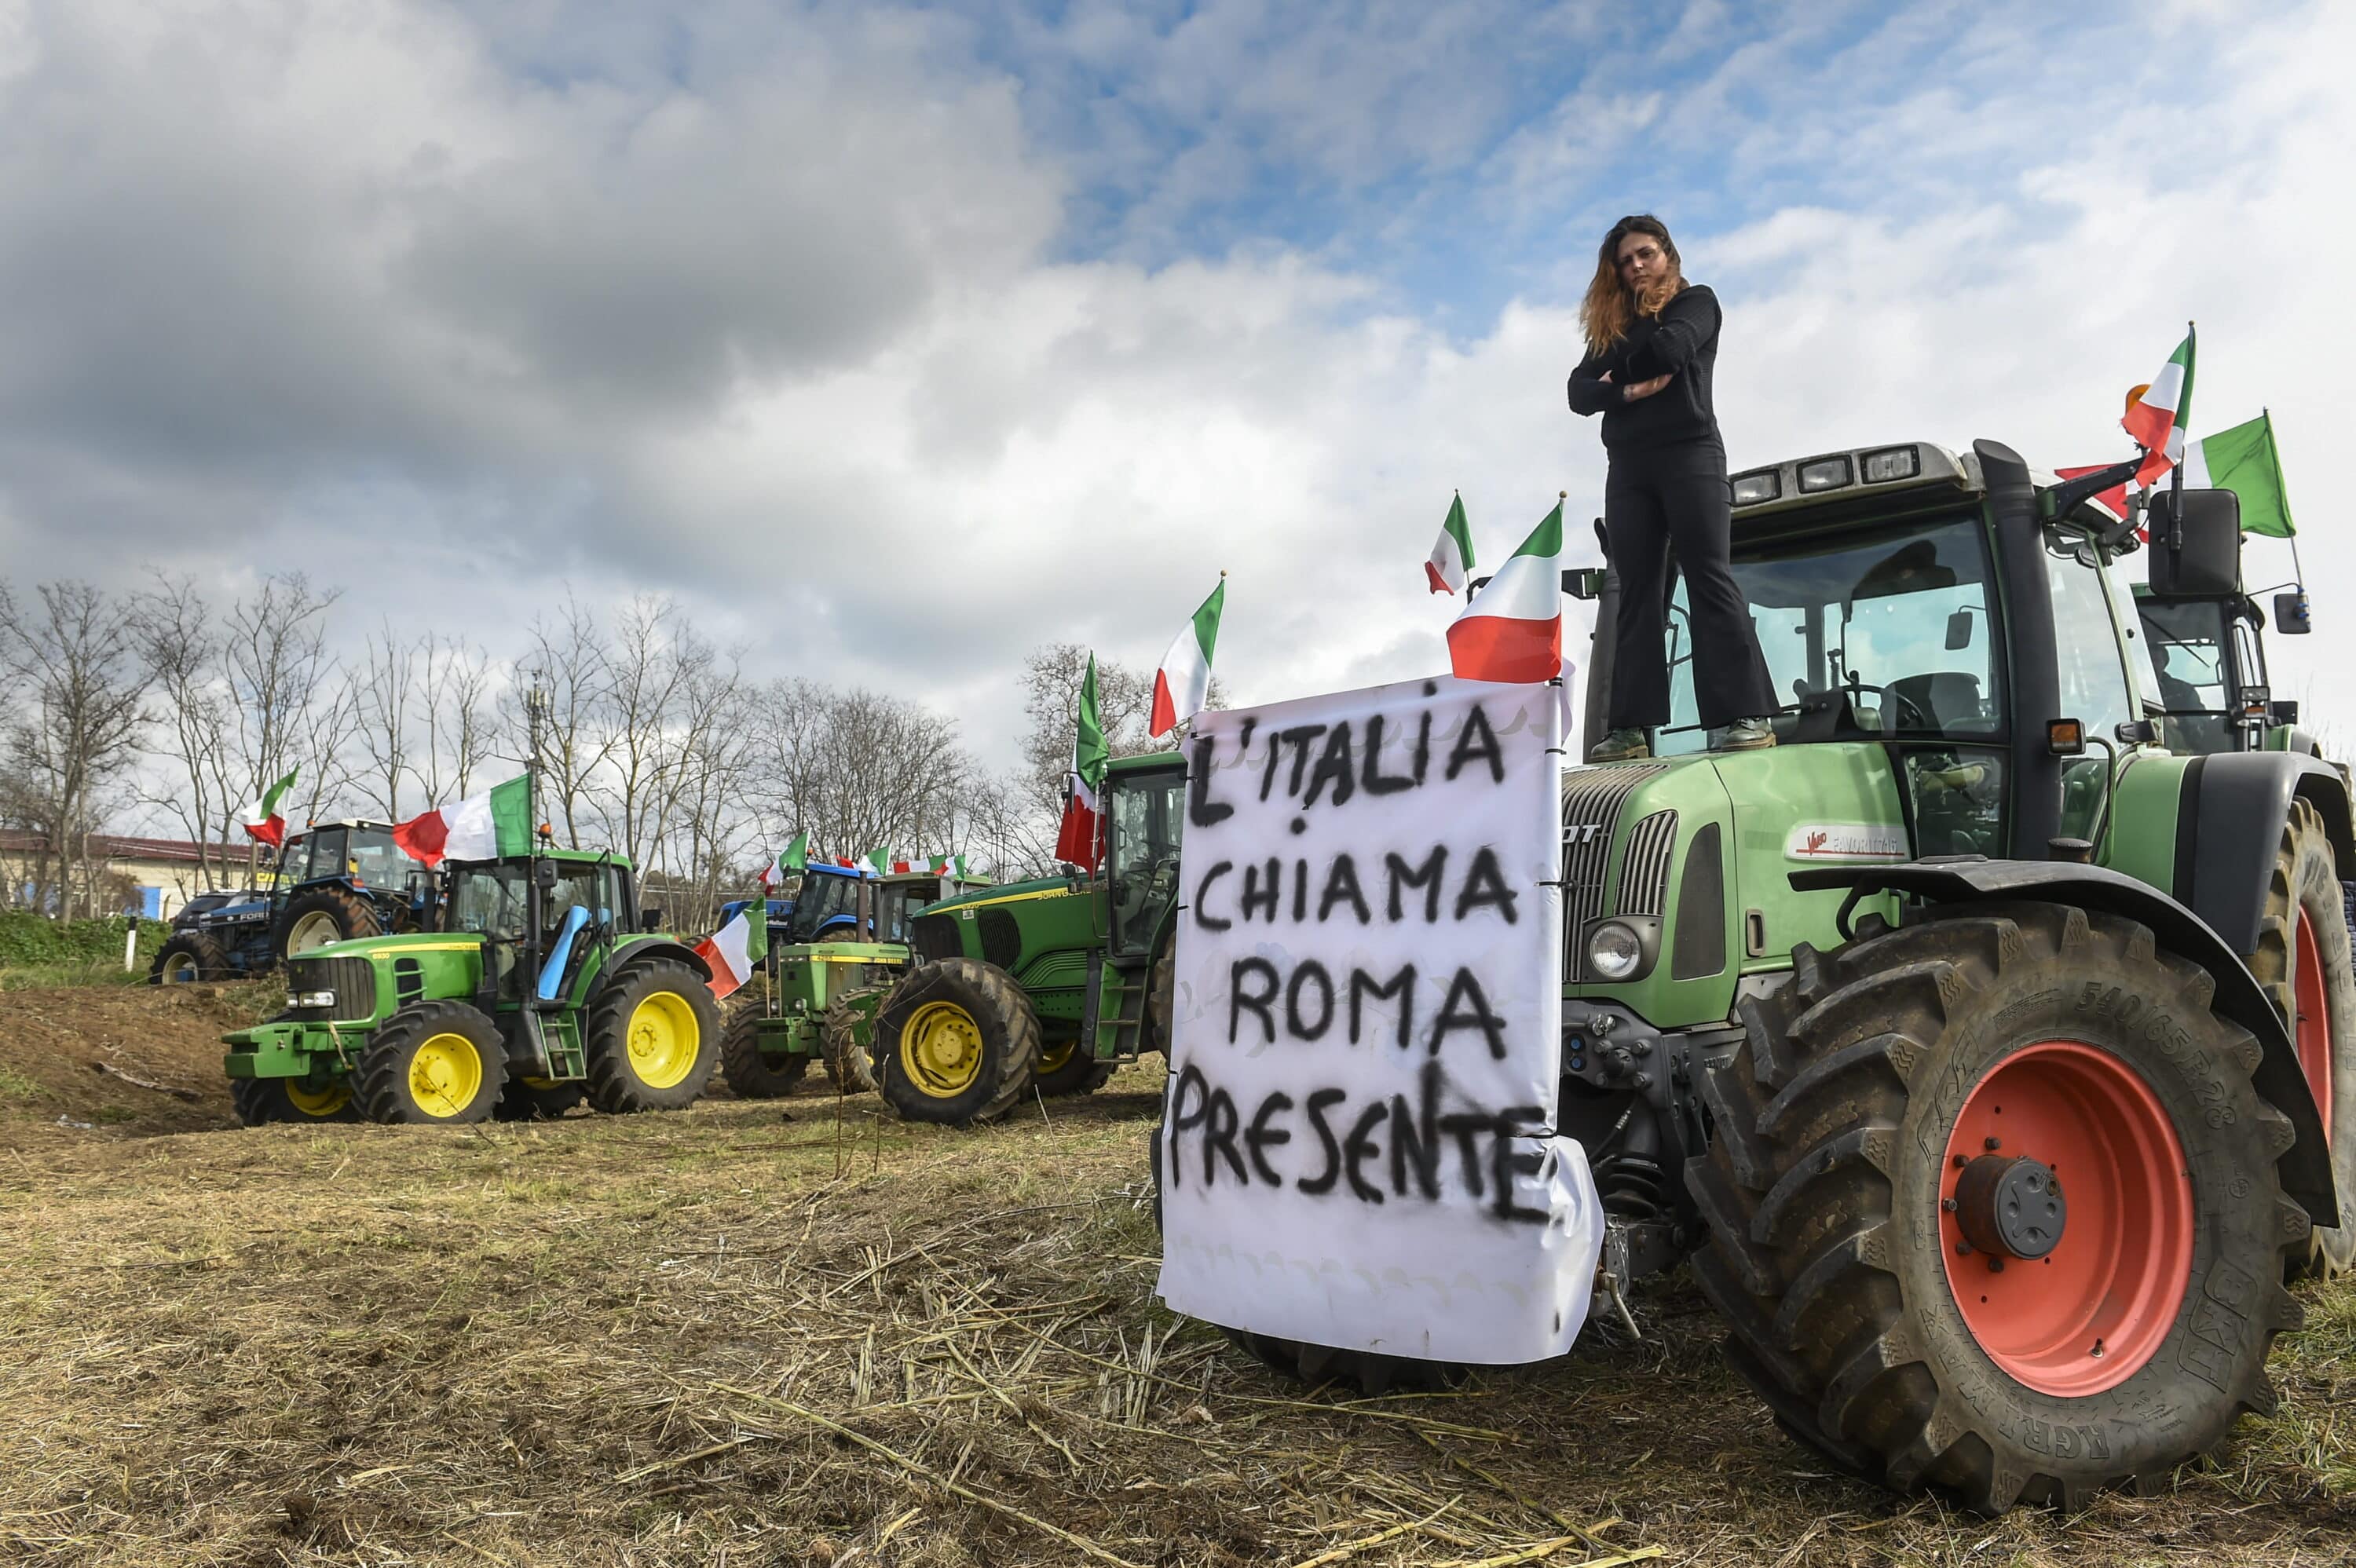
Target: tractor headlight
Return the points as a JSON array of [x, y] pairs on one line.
[[1613, 951], [311, 999], [1763, 485], [1823, 474]]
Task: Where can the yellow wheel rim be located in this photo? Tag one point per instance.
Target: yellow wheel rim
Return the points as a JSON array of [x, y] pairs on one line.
[[319, 1102], [664, 1039], [940, 1050], [445, 1074], [1053, 1058]]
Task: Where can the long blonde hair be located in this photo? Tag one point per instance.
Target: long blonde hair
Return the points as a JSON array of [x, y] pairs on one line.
[[1610, 306]]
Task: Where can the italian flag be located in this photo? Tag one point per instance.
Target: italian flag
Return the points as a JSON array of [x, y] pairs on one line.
[[793, 858], [2245, 460], [1452, 559], [1077, 841], [735, 951], [946, 866], [2157, 416], [263, 820], [1512, 629], [1183, 681], [487, 826]]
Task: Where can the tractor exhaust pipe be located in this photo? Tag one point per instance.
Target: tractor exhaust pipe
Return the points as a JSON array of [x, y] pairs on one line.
[[2028, 645]]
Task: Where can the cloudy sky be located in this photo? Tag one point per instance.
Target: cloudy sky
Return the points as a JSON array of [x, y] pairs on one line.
[[894, 341]]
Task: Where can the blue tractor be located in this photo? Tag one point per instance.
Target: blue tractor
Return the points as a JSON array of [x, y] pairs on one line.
[[824, 910], [336, 882]]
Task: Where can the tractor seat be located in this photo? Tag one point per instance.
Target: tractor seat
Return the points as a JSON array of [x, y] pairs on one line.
[[1945, 699]]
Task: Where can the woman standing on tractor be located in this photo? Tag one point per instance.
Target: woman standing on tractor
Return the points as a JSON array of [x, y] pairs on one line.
[[1652, 342]]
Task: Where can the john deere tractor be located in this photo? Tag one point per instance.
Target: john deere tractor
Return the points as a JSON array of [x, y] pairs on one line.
[[542, 986], [335, 881], [1049, 982], [845, 941], [1992, 1065]]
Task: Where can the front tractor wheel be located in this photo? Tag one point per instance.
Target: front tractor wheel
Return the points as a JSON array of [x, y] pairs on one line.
[[1065, 1069], [2303, 964], [956, 1043], [1993, 1207], [750, 1074], [654, 1039], [261, 1101], [433, 1064]]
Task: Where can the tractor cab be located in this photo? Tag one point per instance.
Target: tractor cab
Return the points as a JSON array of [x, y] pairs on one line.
[[583, 900], [827, 909], [1145, 805]]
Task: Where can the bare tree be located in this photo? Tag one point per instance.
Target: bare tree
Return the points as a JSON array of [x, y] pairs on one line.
[[379, 692], [454, 692], [73, 661], [281, 678], [182, 652], [568, 660]]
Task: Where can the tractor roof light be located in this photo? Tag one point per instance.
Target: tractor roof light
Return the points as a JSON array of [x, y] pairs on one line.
[[1891, 463], [1825, 474], [1759, 486]]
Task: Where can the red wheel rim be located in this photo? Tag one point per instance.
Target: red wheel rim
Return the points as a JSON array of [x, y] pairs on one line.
[[2089, 1314], [2314, 1005]]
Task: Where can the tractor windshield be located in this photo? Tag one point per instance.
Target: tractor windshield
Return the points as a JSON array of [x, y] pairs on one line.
[[1146, 810], [826, 900], [1895, 619]]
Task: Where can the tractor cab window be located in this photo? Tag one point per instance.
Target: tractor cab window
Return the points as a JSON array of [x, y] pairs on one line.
[[322, 854], [370, 855], [2093, 673], [1891, 626], [825, 900], [1144, 826], [2188, 645], [493, 899]]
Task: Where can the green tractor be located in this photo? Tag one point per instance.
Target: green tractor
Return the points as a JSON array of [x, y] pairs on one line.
[[846, 943], [546, 985], [1050, 982], [1992, 1066], [2204, 634]]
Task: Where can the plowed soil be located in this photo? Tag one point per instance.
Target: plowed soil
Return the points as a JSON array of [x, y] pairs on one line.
[[791, 1332]]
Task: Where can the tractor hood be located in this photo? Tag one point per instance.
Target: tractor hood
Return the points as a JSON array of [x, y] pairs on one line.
[[414, 942], [1693, 853], [1006, 893]]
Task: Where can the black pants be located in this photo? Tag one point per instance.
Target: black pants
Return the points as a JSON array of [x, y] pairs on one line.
[[1679, 496]]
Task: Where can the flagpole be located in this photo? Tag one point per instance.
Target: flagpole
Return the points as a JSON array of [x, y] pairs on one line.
[[2175, 475]]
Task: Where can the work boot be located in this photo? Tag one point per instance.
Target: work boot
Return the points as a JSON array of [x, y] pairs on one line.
[[1619, 746], [1746, 735]]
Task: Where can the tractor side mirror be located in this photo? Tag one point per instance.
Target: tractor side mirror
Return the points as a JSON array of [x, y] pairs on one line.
[[2195, 553], [544, 872], [650, 920], [2283, 710], [2291, 618], [1959, 631]]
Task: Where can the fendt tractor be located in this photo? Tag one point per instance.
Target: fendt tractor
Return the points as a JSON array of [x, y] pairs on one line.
[[335, 881], [1992, 1066], [843, 943], [1049, 982], [544, 985], [2206, 637]]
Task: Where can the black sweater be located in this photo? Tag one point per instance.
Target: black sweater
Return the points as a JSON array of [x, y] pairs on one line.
[[1682, 341]]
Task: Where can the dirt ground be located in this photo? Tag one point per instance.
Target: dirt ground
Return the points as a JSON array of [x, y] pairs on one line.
[[788, 1332]]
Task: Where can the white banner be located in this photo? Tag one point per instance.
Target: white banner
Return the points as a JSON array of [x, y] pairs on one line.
[[1357, 1145]]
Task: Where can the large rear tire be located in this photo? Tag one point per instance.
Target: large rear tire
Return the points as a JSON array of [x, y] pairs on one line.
[[186, 958], [2303, 964], [317, 916], [1853, 1129], [750, 1074], [956, 1043], [433, 1064], [654, 1039]]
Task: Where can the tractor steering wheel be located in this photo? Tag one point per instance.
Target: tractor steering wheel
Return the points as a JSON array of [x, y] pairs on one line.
[[1892, 698]]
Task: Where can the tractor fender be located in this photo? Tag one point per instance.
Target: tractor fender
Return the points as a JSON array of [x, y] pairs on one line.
[[632, 955], [2230, 817], [2306, 1165]]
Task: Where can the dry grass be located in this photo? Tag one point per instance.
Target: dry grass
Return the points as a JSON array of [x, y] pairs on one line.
[[789, 1333]]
